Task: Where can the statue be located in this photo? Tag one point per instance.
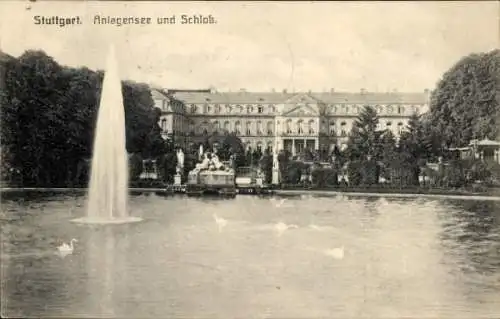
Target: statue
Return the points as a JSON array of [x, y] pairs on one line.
[[180, 161], [200, 153]]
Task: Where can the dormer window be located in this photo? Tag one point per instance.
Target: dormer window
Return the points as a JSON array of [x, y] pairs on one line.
[[194, 108], [260, 109]]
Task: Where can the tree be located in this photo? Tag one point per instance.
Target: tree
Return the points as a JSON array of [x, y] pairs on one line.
[[231, 144], [364, 138], [48, 116], [389, 150], [266, 165], [466, 102]]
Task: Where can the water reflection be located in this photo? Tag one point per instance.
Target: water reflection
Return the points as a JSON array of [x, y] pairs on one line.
[[415, 258], [104, 270], [471, 234]]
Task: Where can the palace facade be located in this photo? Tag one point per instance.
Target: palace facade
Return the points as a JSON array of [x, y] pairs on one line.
[[292, 121]]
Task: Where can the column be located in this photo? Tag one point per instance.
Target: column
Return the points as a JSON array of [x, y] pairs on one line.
[[275, 180], [293, 146]]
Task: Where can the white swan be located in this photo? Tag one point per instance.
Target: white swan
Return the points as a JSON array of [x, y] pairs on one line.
[[278, 203], [337, 253], [66, 249], [221, 222], [282, 227]]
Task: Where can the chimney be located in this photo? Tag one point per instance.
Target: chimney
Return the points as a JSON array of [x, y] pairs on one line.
[[332, 90], [363, 91], [427, 91], [284, 90], [273, 90], [243, 90], [310, 91]]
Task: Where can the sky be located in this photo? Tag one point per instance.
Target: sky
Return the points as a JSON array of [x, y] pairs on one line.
[[261, 46]]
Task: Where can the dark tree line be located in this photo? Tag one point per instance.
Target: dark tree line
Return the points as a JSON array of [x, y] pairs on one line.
[[48, 114]]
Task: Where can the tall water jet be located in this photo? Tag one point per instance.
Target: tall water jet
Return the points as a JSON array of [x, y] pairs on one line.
[[108, 189]]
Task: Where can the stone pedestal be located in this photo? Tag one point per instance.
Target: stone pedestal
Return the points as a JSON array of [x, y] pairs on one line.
[[177, 179], [275, 177]]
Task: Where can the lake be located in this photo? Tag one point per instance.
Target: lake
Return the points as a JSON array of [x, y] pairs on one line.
[[420, 258]]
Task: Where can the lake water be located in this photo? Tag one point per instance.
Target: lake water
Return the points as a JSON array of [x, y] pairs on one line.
[[402, 258]]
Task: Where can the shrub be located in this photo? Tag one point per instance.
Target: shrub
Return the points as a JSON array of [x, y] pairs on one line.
[[322, 177]]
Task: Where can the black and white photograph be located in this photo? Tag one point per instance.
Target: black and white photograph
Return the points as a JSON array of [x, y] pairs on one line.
[[250, 159]]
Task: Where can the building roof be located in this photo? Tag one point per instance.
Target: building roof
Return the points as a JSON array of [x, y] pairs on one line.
[[244, 97]]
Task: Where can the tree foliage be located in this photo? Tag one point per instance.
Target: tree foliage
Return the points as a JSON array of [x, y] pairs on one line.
[[48, 115], [364, 139], [466, 102]]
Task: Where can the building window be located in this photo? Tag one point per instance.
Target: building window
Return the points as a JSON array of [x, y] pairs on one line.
[[259, 147], [289, 126], [164, 125], [260, 109], [400, 127], [194, 108], [390, 109], [249, 109], [237, 128], [333, 109], [216, 126], [240, 108], [343, 131], [217, 108], [269, 128], [270, 147], [273, 108], [248, 128], [332, 128], [259, 128], [401, 109], [227, 127], [388, 124], [300, 128], [311, 127], [205, 126], [228, 108], [379, 109]]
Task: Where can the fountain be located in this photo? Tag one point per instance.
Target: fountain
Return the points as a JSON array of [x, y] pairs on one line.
[[108, 190]]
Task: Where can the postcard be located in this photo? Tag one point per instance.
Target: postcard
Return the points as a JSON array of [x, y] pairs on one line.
[[250, 159]]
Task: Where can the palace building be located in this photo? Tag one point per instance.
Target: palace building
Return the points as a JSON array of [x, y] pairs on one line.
[[292, 121]]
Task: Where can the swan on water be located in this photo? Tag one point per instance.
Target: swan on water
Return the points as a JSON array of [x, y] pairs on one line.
[[282, 227], [337, 253], [66, 249], [221, 222], [277, 203]]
